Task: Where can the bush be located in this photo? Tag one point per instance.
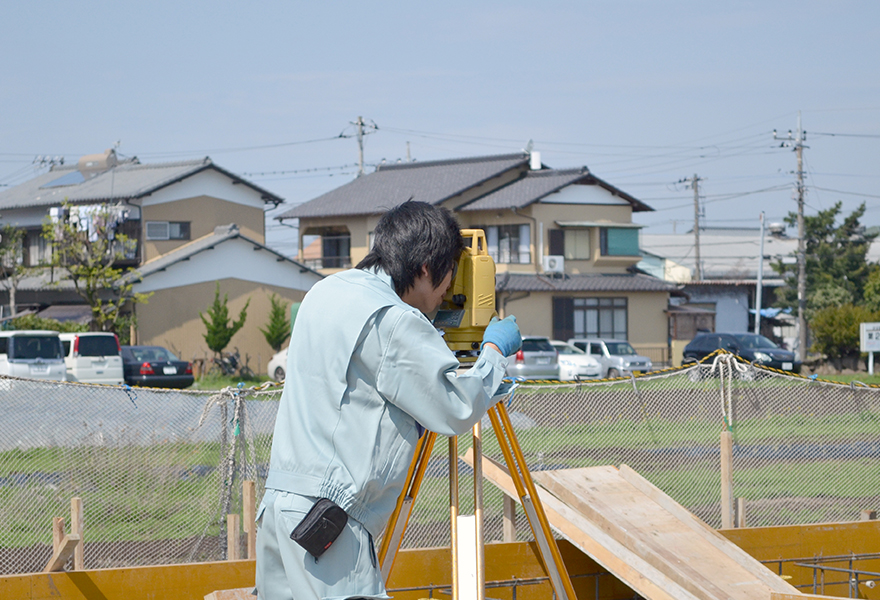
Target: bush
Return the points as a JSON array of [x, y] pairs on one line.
[[35, 322], [836, 329]]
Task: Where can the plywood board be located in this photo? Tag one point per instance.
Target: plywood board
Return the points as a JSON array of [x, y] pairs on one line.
[[642, 536]]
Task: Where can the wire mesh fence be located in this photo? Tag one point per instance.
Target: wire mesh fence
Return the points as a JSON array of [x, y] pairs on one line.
[[158, 470]]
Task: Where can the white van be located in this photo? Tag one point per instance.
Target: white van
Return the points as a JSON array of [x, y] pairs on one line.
[[93, 357], [32, 354]]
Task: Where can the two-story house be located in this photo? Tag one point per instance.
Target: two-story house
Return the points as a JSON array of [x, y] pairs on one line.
[[193, 223], [563, 241]]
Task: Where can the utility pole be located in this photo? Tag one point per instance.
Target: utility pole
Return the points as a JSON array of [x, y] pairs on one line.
[[360, 139], [759, 290], [797, 142], [694, 182]]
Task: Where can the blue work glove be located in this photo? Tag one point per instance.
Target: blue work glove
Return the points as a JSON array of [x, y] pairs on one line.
[[504, 333]]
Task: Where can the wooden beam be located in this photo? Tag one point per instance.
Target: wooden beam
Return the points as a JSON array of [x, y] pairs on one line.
[[509, 520], [76, 528], [233, 523], [249, 516], [726, 480], [62, 553]]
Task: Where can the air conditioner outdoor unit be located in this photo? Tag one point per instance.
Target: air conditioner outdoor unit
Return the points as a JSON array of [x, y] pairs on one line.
[[554, 264]]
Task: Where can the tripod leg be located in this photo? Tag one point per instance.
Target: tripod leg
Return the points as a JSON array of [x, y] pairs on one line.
[[396, 526], [525, 487]]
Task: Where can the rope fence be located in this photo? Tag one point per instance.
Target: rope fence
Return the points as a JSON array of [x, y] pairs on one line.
[[157, 471]]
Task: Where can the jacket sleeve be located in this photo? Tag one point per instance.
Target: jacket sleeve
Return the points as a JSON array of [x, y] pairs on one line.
[[418, 374]]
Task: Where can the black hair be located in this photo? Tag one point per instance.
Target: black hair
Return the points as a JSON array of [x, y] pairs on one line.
[[411, 235]]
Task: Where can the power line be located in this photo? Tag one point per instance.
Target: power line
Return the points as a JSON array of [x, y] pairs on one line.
[[244, 148], [855, 135]]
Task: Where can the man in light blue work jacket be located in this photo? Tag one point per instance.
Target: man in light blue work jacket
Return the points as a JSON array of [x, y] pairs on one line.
[[366, 373]]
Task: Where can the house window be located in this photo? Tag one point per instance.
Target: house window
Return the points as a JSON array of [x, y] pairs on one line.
[[510, 244], [167, 230], [589, 317], [577, 244], [600, 317], [327, 248], [37, 250], [618, 241]]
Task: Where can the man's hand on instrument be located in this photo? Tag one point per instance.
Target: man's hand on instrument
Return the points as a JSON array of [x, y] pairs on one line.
[[503, 334]]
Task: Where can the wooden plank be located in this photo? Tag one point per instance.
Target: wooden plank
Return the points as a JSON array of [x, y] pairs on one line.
[[62, 553], [726, 479], [76, 528], [57, 532], [797, 596], [582, 492], [663, 540], [233, 547], [627, 566], [237, 594], [744, 559], [249, 515]]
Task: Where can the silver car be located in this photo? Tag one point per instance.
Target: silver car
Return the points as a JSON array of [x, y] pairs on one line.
[[617, 357], [537, 359]]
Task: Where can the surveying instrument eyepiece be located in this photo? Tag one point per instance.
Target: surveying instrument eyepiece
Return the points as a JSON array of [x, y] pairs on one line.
[[466, 310]]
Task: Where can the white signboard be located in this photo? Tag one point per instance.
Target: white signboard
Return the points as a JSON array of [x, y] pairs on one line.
[[869, 334]]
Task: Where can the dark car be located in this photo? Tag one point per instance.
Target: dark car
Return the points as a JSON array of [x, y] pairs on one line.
[[752, 347], [154, 366]]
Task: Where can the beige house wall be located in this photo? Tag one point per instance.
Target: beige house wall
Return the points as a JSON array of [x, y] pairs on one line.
[[203, 213], [646, 320], [171, 319]]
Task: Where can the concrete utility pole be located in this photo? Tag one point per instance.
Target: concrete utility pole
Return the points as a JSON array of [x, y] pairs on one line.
[[797, 142], [360, 138], [759, 290], [694, 182]]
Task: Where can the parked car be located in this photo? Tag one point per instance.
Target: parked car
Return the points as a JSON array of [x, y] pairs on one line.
[[154, 366], [750, 346], [93, 357], [574, 363], [617, 357], [32, 354], [537, 359], [278, 365]]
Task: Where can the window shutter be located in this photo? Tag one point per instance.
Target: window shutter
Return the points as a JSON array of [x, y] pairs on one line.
[[557, 243], [563, 318]]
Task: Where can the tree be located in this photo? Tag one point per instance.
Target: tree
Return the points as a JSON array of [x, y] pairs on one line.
[[835, 258], [836, 329], [219, 330], [86, 246], [12, 261], [278, 327], [872, 290]]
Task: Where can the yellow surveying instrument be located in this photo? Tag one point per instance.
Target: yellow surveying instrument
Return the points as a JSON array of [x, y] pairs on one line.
[[469, 304], [466, 311]]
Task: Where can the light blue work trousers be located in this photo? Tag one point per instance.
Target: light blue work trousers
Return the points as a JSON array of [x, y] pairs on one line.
[[285, 571]]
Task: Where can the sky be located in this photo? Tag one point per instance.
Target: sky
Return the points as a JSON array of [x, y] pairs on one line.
[[643, 93]]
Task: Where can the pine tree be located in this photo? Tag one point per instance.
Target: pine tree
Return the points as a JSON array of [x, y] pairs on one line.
[[219, 331], [278, 327]]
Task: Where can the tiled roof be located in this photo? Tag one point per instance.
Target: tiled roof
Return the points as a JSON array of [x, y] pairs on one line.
[[391, 185], [127, 180], [528, 189], [582, 283]]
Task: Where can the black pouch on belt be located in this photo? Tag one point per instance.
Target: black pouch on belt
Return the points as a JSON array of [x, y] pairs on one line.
[[320, 527]]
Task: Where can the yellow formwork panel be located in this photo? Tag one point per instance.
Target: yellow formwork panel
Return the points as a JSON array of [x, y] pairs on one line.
[[180, 582], [808, 541]]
